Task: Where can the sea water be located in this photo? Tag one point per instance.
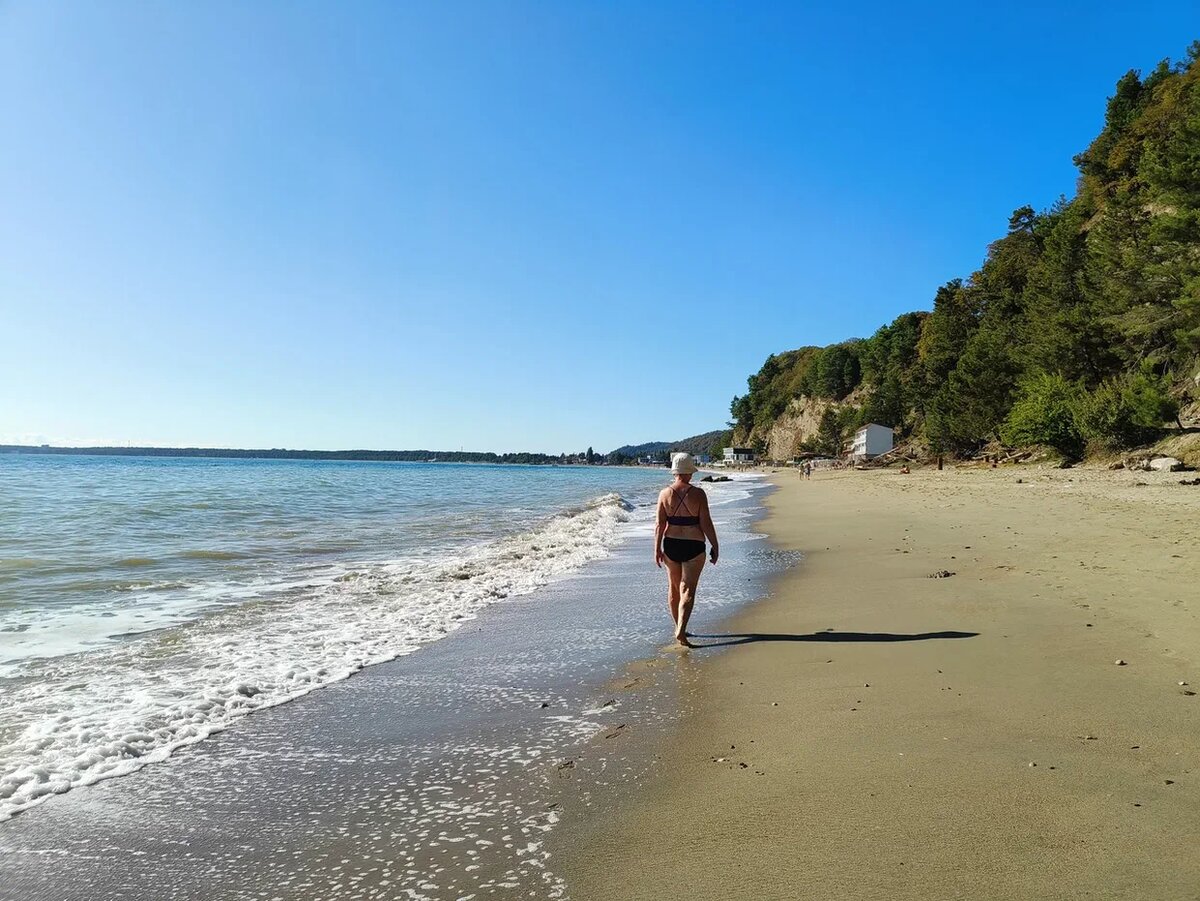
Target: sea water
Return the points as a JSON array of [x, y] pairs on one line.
[[146, 603]]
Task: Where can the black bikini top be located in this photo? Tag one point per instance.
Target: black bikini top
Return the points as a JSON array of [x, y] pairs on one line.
[[680, 502]]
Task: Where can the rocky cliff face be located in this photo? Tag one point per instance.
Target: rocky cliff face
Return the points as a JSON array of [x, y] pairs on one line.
[[797, 424]]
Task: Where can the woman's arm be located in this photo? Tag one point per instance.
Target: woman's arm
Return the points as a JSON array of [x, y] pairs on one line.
[[660, 528], [709, 528]]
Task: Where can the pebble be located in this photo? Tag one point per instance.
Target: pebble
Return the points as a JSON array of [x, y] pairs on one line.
[[1183, 683], [774, 703], [1031, 763], [1119, 662]]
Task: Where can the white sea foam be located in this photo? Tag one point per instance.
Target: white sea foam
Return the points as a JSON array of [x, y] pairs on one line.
[[76, 719]]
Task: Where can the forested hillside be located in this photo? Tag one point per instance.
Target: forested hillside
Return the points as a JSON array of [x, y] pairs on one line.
[[1081, 329], [708, 443]]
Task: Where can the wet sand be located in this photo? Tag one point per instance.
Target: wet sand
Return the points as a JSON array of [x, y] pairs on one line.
[[871, 732]]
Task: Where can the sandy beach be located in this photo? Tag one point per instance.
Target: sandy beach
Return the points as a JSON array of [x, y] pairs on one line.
[[1026, 727]]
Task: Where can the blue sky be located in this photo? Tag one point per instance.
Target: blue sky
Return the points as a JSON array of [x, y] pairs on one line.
[[502, 226]]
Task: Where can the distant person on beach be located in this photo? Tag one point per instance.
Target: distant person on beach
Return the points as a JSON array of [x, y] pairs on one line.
[[682, 525]]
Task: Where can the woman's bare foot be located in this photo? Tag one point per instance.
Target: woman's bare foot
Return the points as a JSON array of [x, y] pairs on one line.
[[683, 640]]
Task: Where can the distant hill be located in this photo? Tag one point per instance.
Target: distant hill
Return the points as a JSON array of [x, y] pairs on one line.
[[697, 444], [384, 456]]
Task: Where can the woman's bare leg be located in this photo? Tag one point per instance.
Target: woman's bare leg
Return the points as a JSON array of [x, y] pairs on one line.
[[674, 575], [689, 579]]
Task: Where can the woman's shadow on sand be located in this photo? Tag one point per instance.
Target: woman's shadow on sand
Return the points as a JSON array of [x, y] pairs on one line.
[[730, 638]]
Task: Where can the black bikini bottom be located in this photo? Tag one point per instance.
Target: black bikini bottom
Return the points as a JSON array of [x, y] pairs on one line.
[[681, 550]]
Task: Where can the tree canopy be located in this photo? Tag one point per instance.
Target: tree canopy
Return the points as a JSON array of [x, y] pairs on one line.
[[1092, 305]]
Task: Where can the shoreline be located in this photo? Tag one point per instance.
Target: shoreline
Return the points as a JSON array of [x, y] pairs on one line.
[[430, 775], [868, 731]]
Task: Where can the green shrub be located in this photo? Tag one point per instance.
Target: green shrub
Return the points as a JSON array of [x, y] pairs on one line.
[[1126, 411], [1045, 413]]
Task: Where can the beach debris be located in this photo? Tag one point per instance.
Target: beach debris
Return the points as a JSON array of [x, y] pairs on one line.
[[1168, 782], [1031, 763], [941, 574], [1119, 662], [1195, 481], [544, 705], [1182, 683], [866, 685], [1188, 692], [568, 764], [616, 731], [1165, 464], [774, 703], [1117, 465]]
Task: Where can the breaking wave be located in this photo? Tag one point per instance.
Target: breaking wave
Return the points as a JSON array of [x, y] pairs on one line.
[[76, 719]]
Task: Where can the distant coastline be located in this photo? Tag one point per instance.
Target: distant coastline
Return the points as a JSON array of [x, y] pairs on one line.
[[653, 453], [385, 456]]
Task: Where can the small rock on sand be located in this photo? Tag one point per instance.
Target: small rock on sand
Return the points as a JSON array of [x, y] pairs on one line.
[[1119, 662]]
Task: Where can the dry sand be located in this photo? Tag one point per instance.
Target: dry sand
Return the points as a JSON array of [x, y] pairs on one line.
[[858, 750]]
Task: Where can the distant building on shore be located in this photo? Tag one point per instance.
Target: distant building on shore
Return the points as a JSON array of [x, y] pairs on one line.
[[739, 456], [870, 441]]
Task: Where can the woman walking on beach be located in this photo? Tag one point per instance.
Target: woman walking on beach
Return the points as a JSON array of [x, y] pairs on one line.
[[683, 524]]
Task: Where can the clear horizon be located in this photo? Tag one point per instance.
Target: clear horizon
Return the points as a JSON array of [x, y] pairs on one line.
[[501, 227]]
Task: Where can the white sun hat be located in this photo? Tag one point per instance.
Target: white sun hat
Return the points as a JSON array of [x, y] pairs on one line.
[[682, 464]]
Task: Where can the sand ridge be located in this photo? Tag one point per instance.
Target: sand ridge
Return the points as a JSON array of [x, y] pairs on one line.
[[871, 732]]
